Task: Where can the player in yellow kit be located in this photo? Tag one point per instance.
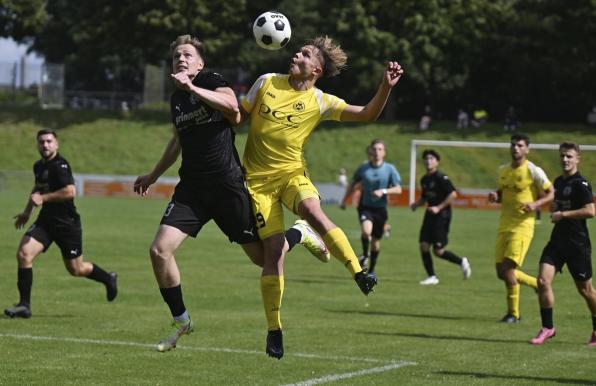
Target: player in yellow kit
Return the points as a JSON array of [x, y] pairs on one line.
[[523, 187], [284, 110]]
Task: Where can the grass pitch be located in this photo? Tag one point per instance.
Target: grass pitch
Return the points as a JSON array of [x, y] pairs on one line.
[[402, 334]]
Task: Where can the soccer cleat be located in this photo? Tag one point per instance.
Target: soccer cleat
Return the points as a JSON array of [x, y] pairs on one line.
[[312, 241], [386, 231], [431, 280], [112, 286], [366, 282], [543, 335], [18, 311], [178, 329], [466, 268], [510, 319], [592, 341], [363, 260], [275, 344]]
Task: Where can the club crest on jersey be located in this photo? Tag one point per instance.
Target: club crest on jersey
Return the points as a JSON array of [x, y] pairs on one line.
[[567, 191], [192, 99], [299, 106]]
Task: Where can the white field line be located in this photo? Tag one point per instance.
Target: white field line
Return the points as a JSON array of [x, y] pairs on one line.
[[179, 347], [337, 377]]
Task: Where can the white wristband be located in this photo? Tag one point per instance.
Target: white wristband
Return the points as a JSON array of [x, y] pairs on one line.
[[385, 191]]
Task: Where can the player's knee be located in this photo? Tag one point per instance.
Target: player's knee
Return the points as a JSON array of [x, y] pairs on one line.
[[438, 252], [24, 257], [587, 292], [543, 282], [157, 253]]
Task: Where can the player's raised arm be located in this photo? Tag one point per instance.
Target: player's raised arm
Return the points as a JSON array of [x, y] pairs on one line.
[[372, 110]]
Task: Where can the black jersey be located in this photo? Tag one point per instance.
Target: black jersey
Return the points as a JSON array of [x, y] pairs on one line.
[[51, 176], [571, 193], [206, 137], [435, 189]]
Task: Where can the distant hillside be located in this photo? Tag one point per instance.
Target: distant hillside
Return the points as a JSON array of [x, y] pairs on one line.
[[110, 143]]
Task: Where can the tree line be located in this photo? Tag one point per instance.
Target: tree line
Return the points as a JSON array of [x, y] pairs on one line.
[[536, 55]]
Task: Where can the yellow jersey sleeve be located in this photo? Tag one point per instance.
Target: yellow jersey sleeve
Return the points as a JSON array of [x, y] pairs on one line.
[[281, 120]]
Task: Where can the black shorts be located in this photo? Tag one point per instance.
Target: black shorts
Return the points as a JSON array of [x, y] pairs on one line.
[[577, 256], [65, 232], [435, 229], [226, 202], [378, 216]]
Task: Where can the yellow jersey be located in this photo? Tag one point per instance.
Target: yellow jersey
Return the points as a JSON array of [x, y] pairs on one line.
[[518, 186], [281, 120]]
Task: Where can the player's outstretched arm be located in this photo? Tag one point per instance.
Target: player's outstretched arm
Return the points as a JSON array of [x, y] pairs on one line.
[[391, 75], [169, 156]]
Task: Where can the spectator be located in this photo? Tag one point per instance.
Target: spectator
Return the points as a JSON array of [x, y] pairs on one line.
[[479, 118], [463, 119], [342, 179], [591, 117], [511, 121], [426, 119]]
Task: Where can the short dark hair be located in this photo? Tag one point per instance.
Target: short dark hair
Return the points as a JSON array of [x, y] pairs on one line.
[[568, 145], [431, 152], [376, 141], [521, 137], [45, 131]]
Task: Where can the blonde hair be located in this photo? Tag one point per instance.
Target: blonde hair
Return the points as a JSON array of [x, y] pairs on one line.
[[334, 58], [187, 39]]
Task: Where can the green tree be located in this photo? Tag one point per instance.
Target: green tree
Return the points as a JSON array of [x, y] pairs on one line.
[[22, 19]]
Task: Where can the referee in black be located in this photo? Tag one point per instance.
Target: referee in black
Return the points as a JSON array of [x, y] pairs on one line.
[[569, 242], [58, 222], [438, 192]]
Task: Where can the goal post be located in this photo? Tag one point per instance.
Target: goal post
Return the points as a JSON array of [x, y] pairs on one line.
[[466, 144]]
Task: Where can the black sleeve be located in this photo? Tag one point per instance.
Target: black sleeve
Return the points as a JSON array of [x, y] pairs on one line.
[[62, 175], [447, 185], [583, 193], [214, 80]]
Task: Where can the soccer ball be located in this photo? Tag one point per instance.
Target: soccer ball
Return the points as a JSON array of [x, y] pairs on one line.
[[272, 30]]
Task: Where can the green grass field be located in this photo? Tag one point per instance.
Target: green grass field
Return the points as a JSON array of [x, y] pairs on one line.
[[402, 334]]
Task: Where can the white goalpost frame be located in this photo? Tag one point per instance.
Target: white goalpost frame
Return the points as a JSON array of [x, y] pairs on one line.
[[503, 145]]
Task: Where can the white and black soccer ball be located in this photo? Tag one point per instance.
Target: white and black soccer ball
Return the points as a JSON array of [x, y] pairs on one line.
[[272, 30]]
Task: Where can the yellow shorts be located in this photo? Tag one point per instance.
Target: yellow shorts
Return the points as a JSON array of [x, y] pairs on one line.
[[268, 195], [513, 246]]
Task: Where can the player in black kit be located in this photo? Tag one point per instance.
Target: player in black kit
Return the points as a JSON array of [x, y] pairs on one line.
[[569, 242], [438, 192], [58, 222], [211, 180]]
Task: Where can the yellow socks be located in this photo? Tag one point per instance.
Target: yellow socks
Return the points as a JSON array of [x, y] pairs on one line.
[[340, 248], [525, 279], [272, 289], [513, 300]]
